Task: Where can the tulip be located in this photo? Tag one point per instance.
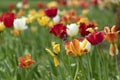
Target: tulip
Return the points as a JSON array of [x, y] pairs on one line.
[[62, 2], [94, 2], [43, 21], [113, 49], [59, 30], [8, 19], [20, 13], [40, 13], [2, 26], [85, 12], [41, 5], [52, 4], [19, 5], [83, 28], [56, 19], [20, 24], [77, 48], [83, 4], [72, 29], [83, 20], [50, 24], [24, 2], [95, 37], [16, 32], [26, 61], [55, 52], [11, 6], [51, 12], [112, 37]]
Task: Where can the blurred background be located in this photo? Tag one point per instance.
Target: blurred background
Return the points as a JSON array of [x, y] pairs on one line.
[[5, 3]]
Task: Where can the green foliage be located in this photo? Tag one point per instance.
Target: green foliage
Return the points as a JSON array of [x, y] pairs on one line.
[[96, 65]]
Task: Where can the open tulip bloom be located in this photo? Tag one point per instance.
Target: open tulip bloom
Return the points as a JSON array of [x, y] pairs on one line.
[[26, 61], [59, 30], [20, 24], [96, 37], [8, 19], [112, 37], [72, 29], [56, 19], [77, 48]]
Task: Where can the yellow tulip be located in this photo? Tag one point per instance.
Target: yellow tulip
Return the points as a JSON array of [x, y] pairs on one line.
[[55, 52], [85, 12], [43, 21], [77, 48], [2, 26], [52, 4], [51, 24], [83, 20], [56, 62], [40, 13]]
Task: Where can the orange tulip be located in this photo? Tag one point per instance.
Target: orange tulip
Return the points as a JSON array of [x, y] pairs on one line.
[[112, 37], [26, 61], [113, 49], [16, 32]]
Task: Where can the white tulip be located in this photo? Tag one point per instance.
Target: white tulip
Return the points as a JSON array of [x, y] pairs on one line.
[[20, 24], [88, 45], [72, 29], [19, 5], [56, 19]]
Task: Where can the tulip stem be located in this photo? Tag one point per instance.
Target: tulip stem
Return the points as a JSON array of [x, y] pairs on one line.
[[77, 69], [89, 65], [116, 62]]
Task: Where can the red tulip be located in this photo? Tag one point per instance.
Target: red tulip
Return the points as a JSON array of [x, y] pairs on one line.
[[62, 2], [59, 30], [24, 2], [96, 37], [84, 4], [8, 19], [94, 2], [51, 12], [118, 11], [11, 6], [41, 5], [83, 28]]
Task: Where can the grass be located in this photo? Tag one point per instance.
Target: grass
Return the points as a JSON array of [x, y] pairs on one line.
[[96, 65]]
